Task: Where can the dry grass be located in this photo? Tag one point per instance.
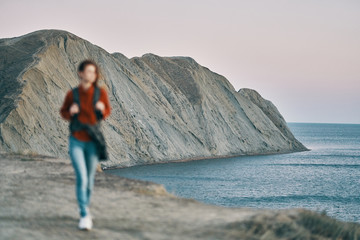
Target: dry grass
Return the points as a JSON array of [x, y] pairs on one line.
[[322, 225], [303, 225]]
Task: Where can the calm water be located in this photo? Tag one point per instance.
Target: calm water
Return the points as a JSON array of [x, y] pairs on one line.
[[325, 178]]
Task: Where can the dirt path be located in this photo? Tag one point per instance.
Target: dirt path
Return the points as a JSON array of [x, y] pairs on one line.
[[37, 201]]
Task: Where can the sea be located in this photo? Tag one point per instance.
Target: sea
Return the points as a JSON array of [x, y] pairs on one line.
[[324, 179]]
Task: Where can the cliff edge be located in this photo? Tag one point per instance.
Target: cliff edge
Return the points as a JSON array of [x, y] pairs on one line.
[[37, 201]]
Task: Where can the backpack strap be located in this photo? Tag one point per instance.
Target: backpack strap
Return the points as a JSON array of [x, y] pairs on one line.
[[96, 95], [76, 99], [96, 98]]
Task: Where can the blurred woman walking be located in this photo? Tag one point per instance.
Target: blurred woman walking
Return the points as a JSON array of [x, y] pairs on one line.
[[82, 149]]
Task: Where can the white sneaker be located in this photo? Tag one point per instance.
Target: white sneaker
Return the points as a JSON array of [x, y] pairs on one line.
[[85, 223]]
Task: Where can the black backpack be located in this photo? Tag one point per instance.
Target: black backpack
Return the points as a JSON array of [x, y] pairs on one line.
[[93, 130], [76, 98]]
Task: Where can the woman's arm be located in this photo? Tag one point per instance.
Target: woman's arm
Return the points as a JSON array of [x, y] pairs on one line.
[[105, 99], [64, 110]]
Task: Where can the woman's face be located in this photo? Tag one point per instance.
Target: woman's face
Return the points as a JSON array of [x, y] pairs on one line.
[[89, 73]]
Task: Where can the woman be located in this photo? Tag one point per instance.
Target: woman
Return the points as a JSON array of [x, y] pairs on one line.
[[82, 148]]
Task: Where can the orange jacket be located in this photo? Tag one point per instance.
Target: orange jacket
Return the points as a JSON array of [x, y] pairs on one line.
[[87, 111]]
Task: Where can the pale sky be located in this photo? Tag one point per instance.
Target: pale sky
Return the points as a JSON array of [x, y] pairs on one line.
[[303, 55]]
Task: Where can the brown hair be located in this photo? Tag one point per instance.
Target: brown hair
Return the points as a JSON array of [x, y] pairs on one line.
[[86, 62]]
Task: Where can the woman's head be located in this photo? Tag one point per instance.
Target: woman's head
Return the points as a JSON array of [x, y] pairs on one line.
[[89, 71]]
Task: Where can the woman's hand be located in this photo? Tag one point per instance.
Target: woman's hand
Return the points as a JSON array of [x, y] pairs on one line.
[[74, 108], [100, 106]]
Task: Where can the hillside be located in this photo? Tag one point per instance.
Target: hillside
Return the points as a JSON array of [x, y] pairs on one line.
[[163, 108]]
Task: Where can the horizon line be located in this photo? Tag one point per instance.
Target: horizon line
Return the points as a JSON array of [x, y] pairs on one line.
[[327, 123]]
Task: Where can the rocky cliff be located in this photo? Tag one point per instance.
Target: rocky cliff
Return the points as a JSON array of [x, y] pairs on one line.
[[163, 108]]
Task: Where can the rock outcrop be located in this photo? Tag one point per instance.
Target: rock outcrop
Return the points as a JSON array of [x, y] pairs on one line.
[[163, 108]]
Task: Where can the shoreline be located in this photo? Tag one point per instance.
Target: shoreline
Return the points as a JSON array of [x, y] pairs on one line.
[[205, 158], [38, 202]]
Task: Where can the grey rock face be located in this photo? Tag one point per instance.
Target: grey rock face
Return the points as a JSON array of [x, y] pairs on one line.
[[163, 108]]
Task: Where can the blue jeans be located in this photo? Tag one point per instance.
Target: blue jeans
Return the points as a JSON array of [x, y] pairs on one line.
[[84, 159]]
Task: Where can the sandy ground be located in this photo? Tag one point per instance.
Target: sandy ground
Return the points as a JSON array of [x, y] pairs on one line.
[[37, 201]]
